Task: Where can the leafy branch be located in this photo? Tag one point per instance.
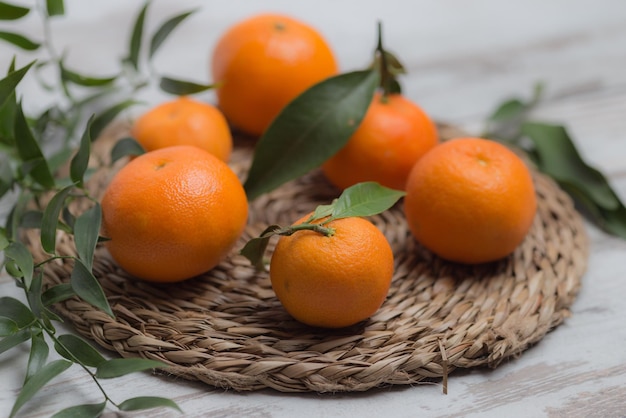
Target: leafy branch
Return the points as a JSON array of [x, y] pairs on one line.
[[43, 199]]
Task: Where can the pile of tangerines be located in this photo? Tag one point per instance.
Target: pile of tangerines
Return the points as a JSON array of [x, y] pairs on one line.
[[177, 210]]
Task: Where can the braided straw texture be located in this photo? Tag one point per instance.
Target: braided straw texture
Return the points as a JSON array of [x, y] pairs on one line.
[[227, 329]]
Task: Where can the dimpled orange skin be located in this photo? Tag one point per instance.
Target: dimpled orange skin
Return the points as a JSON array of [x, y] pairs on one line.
[[470, 200], [335, 281], [264, 62], [173, 213], [394, 134], [184, 121]]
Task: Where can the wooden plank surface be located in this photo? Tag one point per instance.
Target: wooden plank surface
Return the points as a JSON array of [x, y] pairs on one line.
[[463, 58]]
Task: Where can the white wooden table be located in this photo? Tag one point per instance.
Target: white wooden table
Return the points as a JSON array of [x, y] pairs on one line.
[[463, 58]]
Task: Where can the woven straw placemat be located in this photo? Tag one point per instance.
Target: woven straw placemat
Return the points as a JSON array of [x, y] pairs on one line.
[[227, 329]]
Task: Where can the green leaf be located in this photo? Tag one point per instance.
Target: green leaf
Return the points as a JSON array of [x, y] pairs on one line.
[[39, 380], [164, 31], [509, 110], [55, 7], [7, 121], [147, 402], [80, 161], [310, 129], [322, 211], [56, 294], [8, 84], [12, 12], [181, 87], [29, 150], [86, 230], [103, 119], [15, 310], [33, 294], [19, 41], [83, 80], [16, 214], [365, 199], [79, 350], [122, 366], [50, 219], [38, 355], [125, 147], [136, 37], [18, 252], [255, 248], [559, 158], [82, 411], [88, 288], [13, 340], [4, 239], [7, 326]]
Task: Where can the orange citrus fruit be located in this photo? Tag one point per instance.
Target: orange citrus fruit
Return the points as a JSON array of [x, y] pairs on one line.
[[393, 135], [264, 62], [184, 121], [333, 281], [173, 213], [470, 200]]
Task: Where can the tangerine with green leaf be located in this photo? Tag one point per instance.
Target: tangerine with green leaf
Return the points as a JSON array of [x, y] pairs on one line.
[[173, 213], [262, 63], [392, 137], [335, 280], [184, 121]]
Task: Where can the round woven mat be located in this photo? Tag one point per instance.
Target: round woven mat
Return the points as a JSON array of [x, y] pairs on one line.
[[227, 329]]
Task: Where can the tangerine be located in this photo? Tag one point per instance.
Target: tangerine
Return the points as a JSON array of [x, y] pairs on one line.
[[332, 281], [173, 213], [393, 135], [184, 121], [264, 62], [470, 200]]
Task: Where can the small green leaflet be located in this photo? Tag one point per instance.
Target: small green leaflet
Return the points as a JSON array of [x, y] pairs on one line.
[[19, 41], [7, 327], [164, 31], [255, 248], [147, 402], [80, 161], [88, 288], [55, 7], [30, 152], [38, 355], [125, 147], [182, 87], [22, 257], [93, 410], [364, 199], [83, 80], [39, 380], [103, 119], [136, 37], [50, 219], [122, 366], [12, 12], [86, 232], [74, 348], [310, 129], [10, 82]]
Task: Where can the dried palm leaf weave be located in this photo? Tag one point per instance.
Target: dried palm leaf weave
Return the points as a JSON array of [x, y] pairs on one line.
[[226, 328]]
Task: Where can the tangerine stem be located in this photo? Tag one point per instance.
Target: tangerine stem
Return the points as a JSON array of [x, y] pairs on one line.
[[290, 230], [384, 70]]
